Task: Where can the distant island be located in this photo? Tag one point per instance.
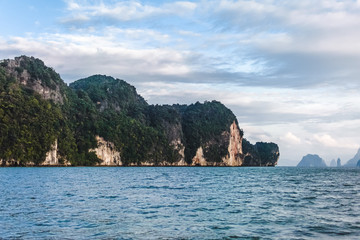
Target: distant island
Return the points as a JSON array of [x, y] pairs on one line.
[[334, 163], [354, 161], [102, 121], [312, 160]]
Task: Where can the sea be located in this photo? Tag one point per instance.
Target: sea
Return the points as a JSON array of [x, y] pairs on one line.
[[179, 203]]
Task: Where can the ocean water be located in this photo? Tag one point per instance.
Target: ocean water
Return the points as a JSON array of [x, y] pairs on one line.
[[179, 203]]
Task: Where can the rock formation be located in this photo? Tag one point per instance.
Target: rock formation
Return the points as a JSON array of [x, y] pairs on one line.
[[235, 154], [51, 156], [103, 121], [311, 160], [106, 152], [338, 162], [352, 162], [19, 68]]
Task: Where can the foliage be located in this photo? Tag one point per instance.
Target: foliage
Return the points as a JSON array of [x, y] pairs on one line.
[[136, 141], [260, 154], [268, 152], [29, 125], [38, 71], [111, 108], [203, 123], [116, 94], [252, 157]]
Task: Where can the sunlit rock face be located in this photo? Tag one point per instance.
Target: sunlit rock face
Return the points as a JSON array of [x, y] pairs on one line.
[[235, 155], [106, 152], [51, 156], [47, 85], [199, 159]]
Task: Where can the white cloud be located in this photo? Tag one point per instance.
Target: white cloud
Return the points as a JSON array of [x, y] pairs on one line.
[[72, 5], [328, 141], [288, 69], [125, 10], [291, 138], [80, 55]]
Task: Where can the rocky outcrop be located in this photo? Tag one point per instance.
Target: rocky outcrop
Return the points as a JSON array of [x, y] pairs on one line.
[[51, 159], [106, 152], [199, 134], [352, 162], [180, 148], [312, 160], [338, 162], [51, 156], [15, 68], [198, 159], [9, 163], [235, 156]]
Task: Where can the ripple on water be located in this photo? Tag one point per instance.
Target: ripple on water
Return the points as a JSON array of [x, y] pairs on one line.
[[179, 203]]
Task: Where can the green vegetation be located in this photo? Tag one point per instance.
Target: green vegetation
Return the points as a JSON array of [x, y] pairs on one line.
[[110, 93], [260, 154], [203, 125], [37, 70], [111, 108], [29, 125]]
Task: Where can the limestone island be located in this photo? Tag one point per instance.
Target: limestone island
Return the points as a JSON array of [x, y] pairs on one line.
[[312, 160], [102, 121]]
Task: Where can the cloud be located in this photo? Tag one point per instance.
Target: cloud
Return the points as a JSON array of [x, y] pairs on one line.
[[328, 141], [123, 11], [291, 138], [81, 55], [298, 43], [288, 69], [282, 44]]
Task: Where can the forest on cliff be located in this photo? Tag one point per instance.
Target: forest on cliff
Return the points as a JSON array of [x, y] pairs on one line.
[[37, 108]]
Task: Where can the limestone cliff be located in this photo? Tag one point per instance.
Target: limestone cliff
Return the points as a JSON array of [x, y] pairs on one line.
[[106, 152], [46, 83], [37, 108], [235, 155], [51, 156], [198, 159]]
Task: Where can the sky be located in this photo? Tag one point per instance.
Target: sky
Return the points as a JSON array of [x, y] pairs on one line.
[[289, 70]]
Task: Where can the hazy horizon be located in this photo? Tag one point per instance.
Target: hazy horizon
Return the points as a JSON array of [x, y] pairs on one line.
[[288, 70]]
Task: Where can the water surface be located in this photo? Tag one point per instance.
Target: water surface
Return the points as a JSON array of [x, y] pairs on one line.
[[179, 203]]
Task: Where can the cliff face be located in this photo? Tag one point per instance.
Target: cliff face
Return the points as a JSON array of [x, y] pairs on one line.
[[235, 154], [46, 83], [106, 152], [233, 157], [52, 156], [103, 121]]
